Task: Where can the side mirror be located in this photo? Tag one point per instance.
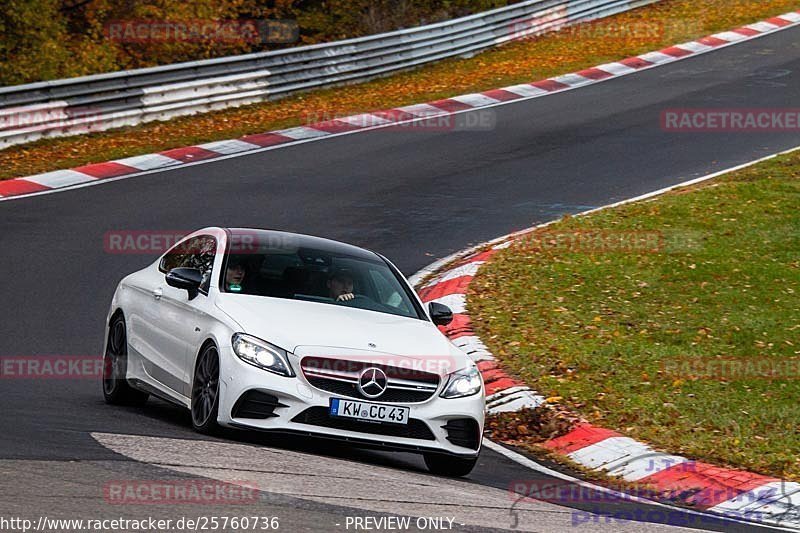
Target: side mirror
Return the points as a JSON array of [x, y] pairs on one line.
[[189, 279], [441, 315]]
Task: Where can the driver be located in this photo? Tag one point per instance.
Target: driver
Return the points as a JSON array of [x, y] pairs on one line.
[[234, 276], [340, 286]]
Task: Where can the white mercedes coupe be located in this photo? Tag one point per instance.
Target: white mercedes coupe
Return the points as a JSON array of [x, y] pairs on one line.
[[274, 331]]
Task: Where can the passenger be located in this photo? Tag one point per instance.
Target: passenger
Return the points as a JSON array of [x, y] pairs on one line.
[[234, 276], [340, 286]]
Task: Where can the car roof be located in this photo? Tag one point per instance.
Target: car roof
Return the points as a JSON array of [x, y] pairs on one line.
[[304, 241]]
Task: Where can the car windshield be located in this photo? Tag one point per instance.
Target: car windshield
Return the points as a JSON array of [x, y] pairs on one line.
[[318, 275]]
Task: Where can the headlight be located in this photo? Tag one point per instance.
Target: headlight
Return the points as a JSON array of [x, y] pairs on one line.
[[261, 354], [462, 383]]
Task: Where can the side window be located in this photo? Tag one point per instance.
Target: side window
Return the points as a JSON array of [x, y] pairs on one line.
[[198, 252], [172, 259], [387, 295]]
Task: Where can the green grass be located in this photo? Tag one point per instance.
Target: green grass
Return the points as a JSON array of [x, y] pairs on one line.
[[604, 329]]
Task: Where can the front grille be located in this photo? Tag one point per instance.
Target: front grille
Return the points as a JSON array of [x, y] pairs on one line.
[[340, 377], [349, 389], [463, 432], [319, 416], [256, 404]]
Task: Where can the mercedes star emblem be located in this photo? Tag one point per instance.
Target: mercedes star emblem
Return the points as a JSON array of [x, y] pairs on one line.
[[372, 382]]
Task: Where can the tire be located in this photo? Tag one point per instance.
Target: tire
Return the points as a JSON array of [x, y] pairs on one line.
[[205, 391], [447, 465], [116, 389]]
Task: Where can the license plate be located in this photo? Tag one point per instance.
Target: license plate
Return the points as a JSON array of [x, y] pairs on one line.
[[369, 411]]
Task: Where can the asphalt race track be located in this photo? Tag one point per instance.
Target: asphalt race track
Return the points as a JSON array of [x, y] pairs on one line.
[[413, 194]]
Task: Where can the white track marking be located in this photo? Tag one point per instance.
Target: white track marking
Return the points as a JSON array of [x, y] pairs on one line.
[[60, 178], [730, 36], [646, 465], [693, 47], [573, 80], [473, 346], [231, 146], [609, 453], [468, 269], [148, 161], [475, 99], [763, 26], [512, 403], [301, 132], [422, 110], [526, 90], [617, 69], [364, 120], [658, 57]]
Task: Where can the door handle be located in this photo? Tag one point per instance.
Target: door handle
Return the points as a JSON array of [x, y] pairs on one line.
[[157, 293]]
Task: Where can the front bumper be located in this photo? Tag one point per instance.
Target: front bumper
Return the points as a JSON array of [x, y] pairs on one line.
[[302, 409]]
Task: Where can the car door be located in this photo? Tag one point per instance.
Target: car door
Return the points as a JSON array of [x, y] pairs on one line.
[[174, 333], [142, 313]]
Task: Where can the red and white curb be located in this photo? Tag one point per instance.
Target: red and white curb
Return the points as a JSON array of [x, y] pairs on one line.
[[121, 168], [700, 485], [735, 494], [503, 392]]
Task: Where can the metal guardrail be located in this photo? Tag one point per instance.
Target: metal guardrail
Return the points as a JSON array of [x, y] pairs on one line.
[[95, 103]]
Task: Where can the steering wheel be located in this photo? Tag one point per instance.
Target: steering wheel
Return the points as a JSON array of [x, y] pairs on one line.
[[363, 302], [356, 298]]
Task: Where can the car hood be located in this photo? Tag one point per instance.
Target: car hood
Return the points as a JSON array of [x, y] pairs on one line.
[[311, 328]]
